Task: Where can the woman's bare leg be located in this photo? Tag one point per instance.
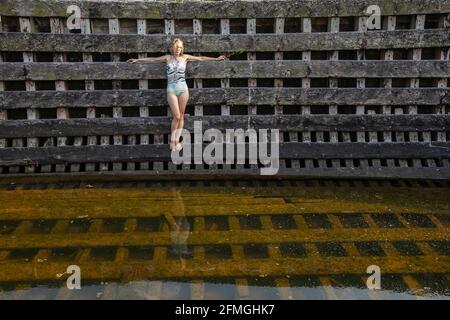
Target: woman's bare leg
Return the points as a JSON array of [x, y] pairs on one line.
[[182, 102], [173, 103]]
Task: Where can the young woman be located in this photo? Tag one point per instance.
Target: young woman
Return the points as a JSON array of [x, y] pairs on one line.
[[177, 89]]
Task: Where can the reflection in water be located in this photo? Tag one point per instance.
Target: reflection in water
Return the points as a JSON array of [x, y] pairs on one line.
[[179, 227], [179, 232], [278, 240]]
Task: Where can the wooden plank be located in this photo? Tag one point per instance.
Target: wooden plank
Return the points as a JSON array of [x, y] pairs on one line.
[[435, 173], [235, 238], [22, 71], [243, 9], [287, 150], [291, 123], [238, 96], [16, 271], [214, 43], [118, 203]]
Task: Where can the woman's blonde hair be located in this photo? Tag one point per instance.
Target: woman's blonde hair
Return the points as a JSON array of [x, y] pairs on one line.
[[172, 44]]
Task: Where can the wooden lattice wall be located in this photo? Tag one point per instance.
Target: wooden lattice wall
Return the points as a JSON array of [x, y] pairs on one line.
[[349, 102]]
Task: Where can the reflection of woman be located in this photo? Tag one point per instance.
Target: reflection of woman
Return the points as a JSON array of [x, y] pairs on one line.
[[179, 225]]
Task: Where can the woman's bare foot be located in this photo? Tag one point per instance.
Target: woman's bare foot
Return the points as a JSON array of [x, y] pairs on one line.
[[172, 145]]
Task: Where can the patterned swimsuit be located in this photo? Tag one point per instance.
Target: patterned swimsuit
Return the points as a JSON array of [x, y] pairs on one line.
[[176, 82]]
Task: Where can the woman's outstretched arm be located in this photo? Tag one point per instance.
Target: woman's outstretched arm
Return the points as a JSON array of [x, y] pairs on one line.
[[150, 59], [204, 58]]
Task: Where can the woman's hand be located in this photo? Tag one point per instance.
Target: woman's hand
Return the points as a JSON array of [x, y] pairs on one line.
[[132, 60], [222, 57]]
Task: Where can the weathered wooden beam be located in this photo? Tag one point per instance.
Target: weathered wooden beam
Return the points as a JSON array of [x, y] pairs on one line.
[[229, 69], [123, 203], [230, 96], [19, 271], [219, 9], [350, 172], [160, 152], [32, 42], [203, 237], [161, 125]]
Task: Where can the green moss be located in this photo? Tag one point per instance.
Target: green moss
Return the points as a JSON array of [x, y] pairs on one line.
[[152, 12], [388, 6], [6, 8]]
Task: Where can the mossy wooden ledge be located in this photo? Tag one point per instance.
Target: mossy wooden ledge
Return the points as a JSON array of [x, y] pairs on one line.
[[35, 42], [190, 9], [16, 71]]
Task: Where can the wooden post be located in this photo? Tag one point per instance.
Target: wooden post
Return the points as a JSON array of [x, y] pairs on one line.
[[306, 84], [32, 114], [57, 26], [198, 83], [251, 56], [361, 84], [278, 83], [389, 55], [415, 83], [143, 85], [86, 28], [332, 109], [444, 53], [114, 28], [225, 82], [442, 83], [159, 138], [3, 112]]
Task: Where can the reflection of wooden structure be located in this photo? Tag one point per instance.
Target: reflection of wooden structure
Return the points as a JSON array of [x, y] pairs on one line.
[[277, 234], [348, 102]]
